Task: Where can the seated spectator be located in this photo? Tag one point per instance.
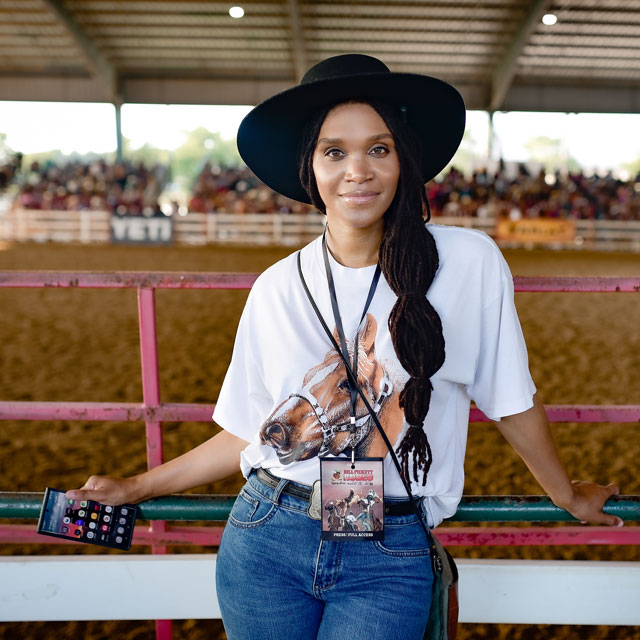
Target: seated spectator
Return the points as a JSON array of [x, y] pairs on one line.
[[121, 188], [238, 191]]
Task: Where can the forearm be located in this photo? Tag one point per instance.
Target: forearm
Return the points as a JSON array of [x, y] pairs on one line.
[[529, 434], [215, 459]]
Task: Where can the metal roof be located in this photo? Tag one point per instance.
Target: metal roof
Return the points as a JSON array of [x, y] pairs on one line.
[[498, 53]]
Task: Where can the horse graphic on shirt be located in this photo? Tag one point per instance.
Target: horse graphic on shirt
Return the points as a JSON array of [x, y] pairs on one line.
[[315, 420]]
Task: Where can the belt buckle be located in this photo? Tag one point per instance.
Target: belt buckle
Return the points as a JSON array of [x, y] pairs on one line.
[[314, 510]]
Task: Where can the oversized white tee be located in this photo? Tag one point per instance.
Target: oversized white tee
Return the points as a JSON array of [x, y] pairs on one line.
[[285, 378]]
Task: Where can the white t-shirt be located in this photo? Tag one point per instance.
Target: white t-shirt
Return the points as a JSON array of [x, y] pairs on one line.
[[283, 363]]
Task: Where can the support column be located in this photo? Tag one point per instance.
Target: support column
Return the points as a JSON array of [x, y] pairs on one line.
[[118, 105], [491, 140]]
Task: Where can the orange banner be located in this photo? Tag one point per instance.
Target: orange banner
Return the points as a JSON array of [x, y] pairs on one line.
[[539, 231]]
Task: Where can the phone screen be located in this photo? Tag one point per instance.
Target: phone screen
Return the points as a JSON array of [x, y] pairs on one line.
[[87, 520]]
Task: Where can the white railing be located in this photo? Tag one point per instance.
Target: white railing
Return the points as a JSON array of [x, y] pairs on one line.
[[29, 225], [144, 587]]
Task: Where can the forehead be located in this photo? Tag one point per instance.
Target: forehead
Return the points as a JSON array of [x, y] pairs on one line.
[[352, 119]]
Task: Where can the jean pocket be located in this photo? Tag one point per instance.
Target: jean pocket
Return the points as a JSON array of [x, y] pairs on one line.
[[403, 540], [250, 511]]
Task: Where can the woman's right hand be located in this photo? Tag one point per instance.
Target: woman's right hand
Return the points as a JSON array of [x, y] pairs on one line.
[[107, 490]]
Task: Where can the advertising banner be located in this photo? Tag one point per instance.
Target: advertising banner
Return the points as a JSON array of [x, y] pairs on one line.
[[536, 231], [141, 230]]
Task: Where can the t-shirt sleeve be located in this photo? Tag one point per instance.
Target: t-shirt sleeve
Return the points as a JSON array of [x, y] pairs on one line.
[[244, 400], [502, 384]]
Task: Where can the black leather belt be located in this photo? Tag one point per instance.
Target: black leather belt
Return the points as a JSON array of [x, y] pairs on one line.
[[404, 508]]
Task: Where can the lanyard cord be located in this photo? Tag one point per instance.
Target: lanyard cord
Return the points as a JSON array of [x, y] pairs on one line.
[[338, 320], [354, 383]]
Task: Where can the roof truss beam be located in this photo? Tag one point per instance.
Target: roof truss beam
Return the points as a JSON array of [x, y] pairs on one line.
[[506, 68], [297, 40], [97, 62]]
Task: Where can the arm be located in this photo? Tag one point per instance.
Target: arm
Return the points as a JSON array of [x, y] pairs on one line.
[[529, 434], [213, 460]]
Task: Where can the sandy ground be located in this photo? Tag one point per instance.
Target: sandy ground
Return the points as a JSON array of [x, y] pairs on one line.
[[77, 345]]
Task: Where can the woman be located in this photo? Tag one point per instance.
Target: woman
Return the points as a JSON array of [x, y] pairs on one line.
[[425, 317]]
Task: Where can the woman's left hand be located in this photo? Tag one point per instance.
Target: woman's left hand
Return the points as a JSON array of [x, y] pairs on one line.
[[588, 500]]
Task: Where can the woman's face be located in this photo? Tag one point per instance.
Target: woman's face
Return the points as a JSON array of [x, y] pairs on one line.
[[356, 166]]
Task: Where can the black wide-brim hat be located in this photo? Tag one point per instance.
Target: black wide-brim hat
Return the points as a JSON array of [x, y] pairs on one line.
[[269, 135]]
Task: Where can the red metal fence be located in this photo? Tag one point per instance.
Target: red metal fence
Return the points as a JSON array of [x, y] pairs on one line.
[[154, 412]]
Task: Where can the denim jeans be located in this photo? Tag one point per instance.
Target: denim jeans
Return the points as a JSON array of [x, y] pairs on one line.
[[276, 579]]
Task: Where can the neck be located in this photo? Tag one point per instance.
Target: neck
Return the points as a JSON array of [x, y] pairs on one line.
[[354, 247]]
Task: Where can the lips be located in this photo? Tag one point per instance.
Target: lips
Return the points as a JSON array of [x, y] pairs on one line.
[[360, 197]]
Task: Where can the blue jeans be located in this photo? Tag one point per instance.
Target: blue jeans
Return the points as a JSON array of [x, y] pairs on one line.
[[276, 579]]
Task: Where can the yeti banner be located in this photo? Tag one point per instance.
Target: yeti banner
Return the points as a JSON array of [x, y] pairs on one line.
[[141, 230]]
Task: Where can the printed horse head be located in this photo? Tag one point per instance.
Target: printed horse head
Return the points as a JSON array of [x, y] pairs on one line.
[[315, 419]]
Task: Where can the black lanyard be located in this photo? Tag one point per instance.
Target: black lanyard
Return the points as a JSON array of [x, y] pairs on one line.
[[336, 315]]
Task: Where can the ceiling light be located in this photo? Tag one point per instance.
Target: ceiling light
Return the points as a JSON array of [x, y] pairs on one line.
[[549, 19], [236, 12]]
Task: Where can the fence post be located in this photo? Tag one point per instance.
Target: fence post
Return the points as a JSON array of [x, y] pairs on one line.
[[151, 398], [277, 228]]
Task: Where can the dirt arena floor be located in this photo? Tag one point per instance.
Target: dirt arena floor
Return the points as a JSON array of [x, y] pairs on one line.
[[82, 345]]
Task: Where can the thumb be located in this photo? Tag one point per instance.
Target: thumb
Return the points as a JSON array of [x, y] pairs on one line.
[[612, 489], [82, 494]]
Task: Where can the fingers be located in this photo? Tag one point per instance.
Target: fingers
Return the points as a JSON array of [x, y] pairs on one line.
[[591, 499], [91, 490]]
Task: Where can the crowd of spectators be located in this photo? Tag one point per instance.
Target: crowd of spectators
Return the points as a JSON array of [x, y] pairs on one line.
[[483, 194], [539, 195], [121, 188], [133, 190], [238, 191]]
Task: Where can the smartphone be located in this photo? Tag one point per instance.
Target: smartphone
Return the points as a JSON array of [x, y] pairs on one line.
[[87, 520]]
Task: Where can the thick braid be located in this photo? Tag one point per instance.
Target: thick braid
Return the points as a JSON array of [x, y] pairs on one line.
[[409, 261], [416, 331]]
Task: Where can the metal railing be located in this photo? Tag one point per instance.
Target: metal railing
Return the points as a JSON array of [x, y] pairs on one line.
[[216, 508]]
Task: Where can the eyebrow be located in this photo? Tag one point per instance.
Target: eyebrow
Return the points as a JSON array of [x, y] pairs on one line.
[[339, 140]]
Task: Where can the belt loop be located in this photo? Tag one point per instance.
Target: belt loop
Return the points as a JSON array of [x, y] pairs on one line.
[[277, 492]]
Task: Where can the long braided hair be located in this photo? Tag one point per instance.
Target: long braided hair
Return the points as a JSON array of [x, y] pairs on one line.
[[409, 260]]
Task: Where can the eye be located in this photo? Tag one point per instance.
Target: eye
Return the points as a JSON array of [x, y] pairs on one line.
[[344, 386], [333, 152], [380, 150]]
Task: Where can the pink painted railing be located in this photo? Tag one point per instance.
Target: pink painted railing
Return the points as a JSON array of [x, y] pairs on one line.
[[153, 412]]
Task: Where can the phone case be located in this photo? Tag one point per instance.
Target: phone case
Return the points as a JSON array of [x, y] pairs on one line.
[[87, 521]]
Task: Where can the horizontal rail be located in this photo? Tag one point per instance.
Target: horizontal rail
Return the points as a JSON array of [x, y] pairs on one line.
[[126, 280], [501, 536], [216, 508], [185, 412], [183, 587], [105, 411], [219, 280]]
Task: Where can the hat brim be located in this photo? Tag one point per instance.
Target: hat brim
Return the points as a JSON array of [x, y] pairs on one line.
[[269, 135]]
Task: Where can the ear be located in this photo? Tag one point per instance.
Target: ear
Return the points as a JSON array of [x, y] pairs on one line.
[[367, 335]]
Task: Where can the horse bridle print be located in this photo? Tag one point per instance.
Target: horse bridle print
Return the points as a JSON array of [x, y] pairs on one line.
[[362, 424]]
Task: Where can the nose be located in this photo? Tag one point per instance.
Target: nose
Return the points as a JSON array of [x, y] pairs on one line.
[[275, 434], [358, 168]]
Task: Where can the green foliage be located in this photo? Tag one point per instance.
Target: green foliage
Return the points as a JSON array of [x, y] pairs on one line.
[[551, 153], [632, 167], [202, 146]]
